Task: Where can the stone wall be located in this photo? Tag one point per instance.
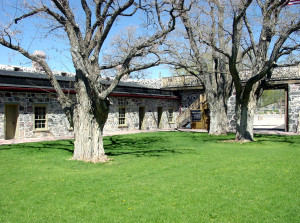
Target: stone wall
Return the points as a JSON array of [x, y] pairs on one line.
[[33, 70], [294, 107], [181, 81], [56, 120], [58, 124], [188, 97], [231, 112], [132, 106], [150, 83]]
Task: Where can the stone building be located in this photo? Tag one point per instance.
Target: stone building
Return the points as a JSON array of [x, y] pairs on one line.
[[29, 107], [287, 78]]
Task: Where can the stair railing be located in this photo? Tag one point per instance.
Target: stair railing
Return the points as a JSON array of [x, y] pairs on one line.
[[186, 114]]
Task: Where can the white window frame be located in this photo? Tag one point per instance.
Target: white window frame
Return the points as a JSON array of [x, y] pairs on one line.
[[122, 118], [45, 119], [170, 114]]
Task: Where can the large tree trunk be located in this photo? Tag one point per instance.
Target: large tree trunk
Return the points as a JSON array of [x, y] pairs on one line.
[[88, 136], [90, 115], [245, 109], [218, 88], [245, 116], [220, 83], [218, 116]]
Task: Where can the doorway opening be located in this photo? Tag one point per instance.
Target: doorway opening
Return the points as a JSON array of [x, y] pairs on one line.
[[272, 111], [141, 118], [159, 117], [11, 117]]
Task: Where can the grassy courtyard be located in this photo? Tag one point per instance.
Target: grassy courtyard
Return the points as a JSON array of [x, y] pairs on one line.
[[154, 177]]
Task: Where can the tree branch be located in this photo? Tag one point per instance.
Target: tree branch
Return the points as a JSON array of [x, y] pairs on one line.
[[288, 50], [65, 102], [253, 44], [124, 67], [97, 42], [34, 12], [88, 18]]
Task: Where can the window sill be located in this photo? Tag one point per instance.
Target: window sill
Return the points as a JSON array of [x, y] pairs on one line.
[[42, 130], [122, 126]]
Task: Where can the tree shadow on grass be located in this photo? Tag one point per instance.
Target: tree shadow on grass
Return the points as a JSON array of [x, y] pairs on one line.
[[205, 137], [114, 146], [277, 138], [67, 145], [139, 146]]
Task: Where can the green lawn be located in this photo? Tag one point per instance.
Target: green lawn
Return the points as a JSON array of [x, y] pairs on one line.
[[154, 177]]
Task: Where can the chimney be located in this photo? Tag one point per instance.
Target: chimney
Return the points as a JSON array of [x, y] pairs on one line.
[[42, 56]]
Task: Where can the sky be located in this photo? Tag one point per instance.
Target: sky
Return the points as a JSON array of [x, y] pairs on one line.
[[57, 60], [60, 61], [10, 57]]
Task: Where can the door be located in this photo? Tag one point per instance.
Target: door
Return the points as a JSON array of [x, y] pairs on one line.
[[11, 115], [159, 117], [141, 118]]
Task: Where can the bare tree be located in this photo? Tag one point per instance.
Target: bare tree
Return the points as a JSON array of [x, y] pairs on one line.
[[205, 63], [89, 111], [260, 33]]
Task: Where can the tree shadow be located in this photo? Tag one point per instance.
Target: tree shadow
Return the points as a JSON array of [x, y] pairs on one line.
[[114, 146], [205, 137], [139, 146], [277, 138], [67, 145]]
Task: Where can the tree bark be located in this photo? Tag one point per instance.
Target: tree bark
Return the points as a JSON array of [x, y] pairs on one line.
[[90, 115], [88, 135], [245, 117], [218, 115], [246, 104]]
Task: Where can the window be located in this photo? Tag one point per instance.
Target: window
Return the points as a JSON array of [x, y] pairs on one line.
[[170, 115], [122, 102], [122, 115], [40, 117]]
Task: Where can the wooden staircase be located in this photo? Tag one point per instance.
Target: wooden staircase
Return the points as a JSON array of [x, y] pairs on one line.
[[185, 117]]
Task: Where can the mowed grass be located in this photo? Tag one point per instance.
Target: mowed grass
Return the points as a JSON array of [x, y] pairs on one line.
[[154, 177]]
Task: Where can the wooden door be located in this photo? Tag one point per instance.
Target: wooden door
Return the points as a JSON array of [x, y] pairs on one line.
[[11, 115], [159, 117], [141, 118], [205, 119]]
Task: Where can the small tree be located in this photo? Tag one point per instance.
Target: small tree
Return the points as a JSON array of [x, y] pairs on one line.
[[89, 112], [260, 33]]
